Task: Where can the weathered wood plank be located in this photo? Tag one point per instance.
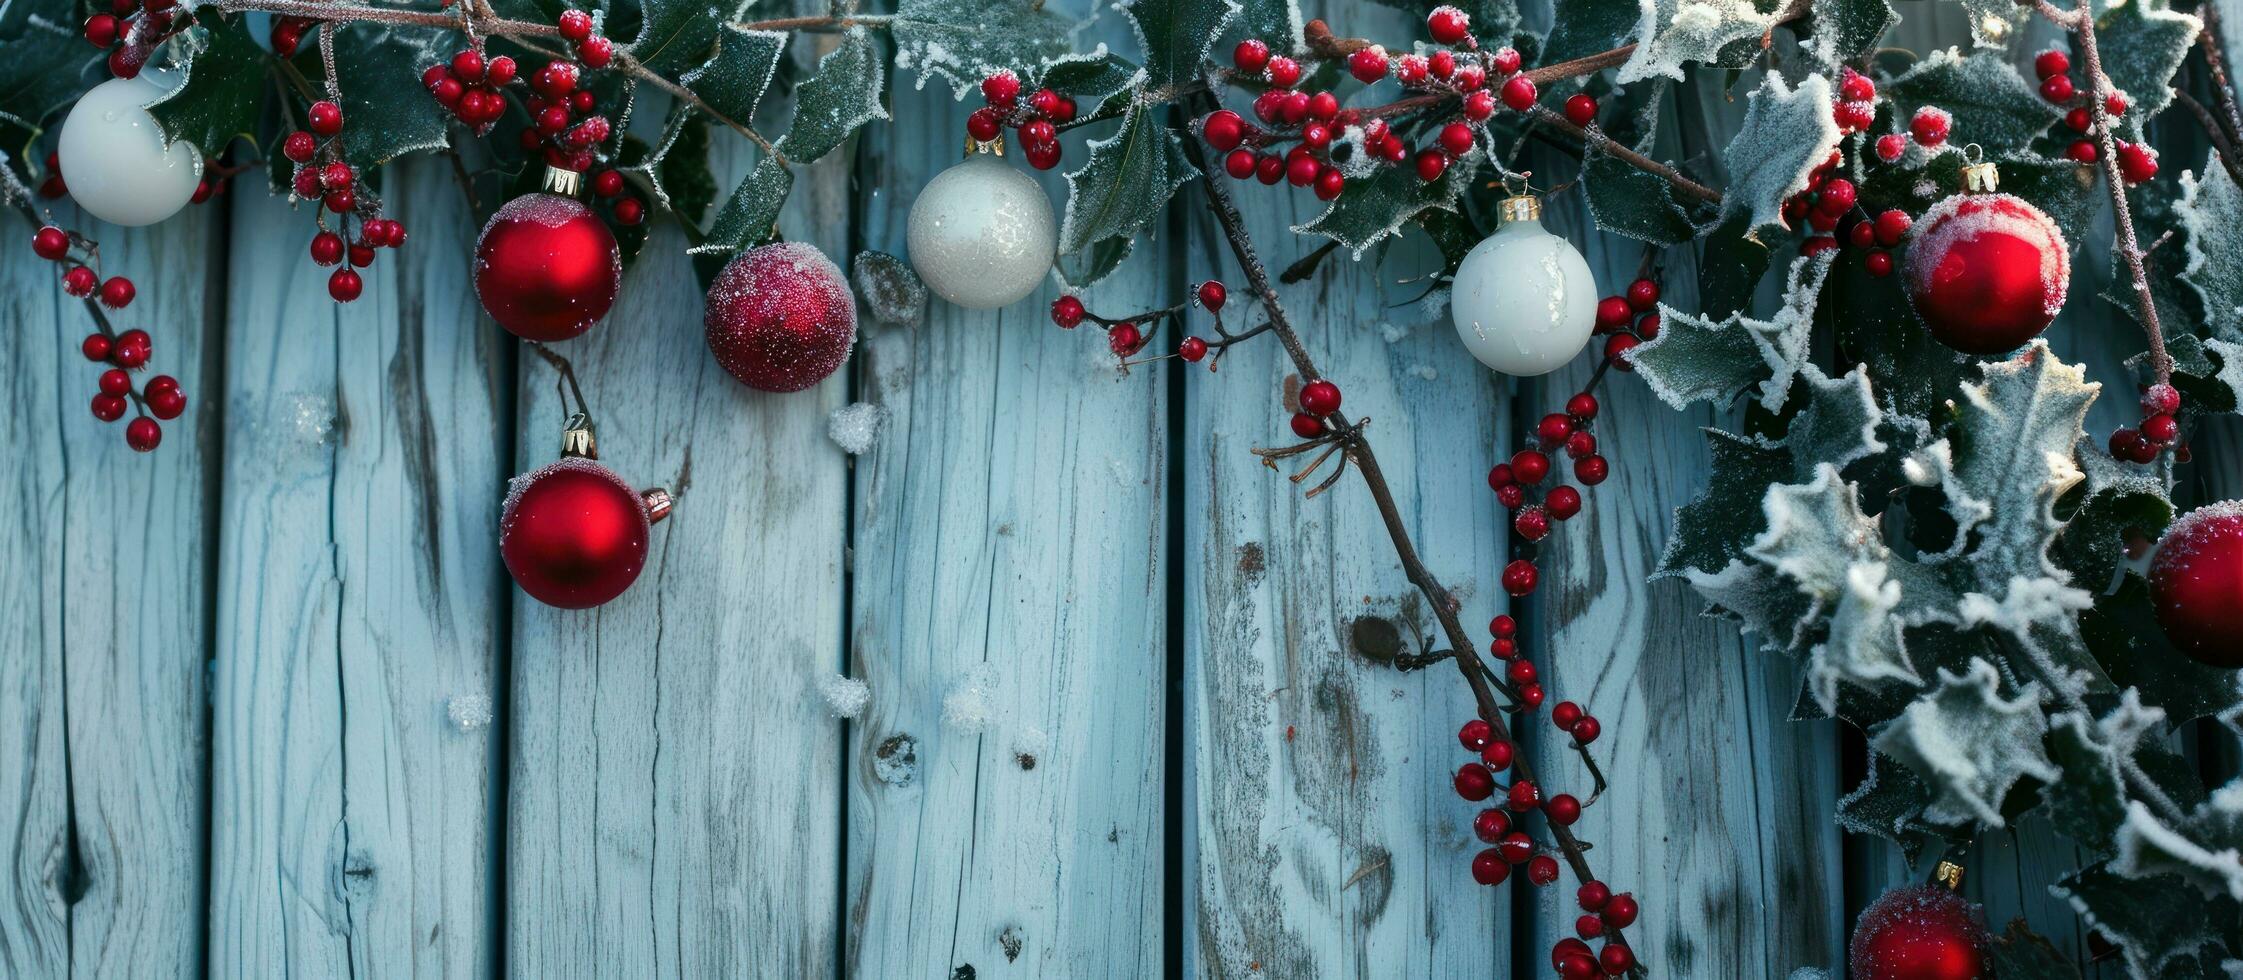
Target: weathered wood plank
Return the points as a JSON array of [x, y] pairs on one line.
[[104, 569], [674, 804], [1322, 836], [1010, 526], [359, 592]]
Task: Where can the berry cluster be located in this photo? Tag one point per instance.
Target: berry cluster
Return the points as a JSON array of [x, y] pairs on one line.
[[469, 87], [2136, 163], [1626, 321], [1125, 337], [1037, 120], [594, 50], [323, 175], [124, 352], [1832, 209], [2158, 430], [609, 184], [568, 126], [130, 32]]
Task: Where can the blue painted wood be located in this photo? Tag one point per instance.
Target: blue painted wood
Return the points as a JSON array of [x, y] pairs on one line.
[[358, 594], [102, 744]]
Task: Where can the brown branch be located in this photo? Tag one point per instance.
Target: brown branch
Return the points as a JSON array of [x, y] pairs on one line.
[[1596, 139], [1358, 450], [2222, 141], [1586, 65], [2209, 40], [818, 24]]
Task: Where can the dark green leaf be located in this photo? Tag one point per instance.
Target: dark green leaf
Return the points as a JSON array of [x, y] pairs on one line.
[[1176, 35], [219, 99], [733, 80], [1083, 268], [2122, 631], [1275, 22], [2210, 214], [1889, 803], [1125, 182], [749, 214], [1990, 101], [1730, 265], [843, 95], [1630, 202], [2022, 954], [2143, 43], [965, 41], [1714, 528], [1787, 132], [1371, 208], [2151, 918], [1585, 27], [44, 69], [1089, 79], [1852, 27], [379, 68], [675, 35], [2093, 542], [2089, 801]]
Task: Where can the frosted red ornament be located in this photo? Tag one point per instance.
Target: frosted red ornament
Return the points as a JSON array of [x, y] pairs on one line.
[[1920, 932], [781, 318], [546, 266], [1986, 271], [573, 534], [2196, 583]]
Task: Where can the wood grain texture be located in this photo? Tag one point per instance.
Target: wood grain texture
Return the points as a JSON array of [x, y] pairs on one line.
[[1323, 838], [105, 751], [673, 805], [1010, 528], [359, 592]]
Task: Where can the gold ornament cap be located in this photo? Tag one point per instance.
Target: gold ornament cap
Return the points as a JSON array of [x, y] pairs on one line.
[[562, 181], [996, 146], [1979, 176], [1948, 874], [577, 438], [1519, 204]]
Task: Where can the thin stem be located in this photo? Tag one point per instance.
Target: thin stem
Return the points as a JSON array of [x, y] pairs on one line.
[[818, 24], [568, 377], [1596, 139]]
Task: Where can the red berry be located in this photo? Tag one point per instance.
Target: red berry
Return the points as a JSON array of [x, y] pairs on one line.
[[554, 81], [1878, 262], [108, 407], [576, 25], [1836, 197], [2080, 119], [1474, 734], [1619, 911], [1853, 86], [2115, 103], [125, 62], [1519, 93], [1192, 349], [1890, 146], [1529, 466], [1542, 870], [1515, 848], [1497, 755], [1518, 579], [1588, 927], [115, 382], [1853, 117], [166, 403], [1591, 471], [1562, 809], [1212, 295], [1581, 445], [1251, 56], [1613, 312], [1505, 59], [1930, 126], [1523, 795], [1301, 171], [1456, 138], [299, 146], [1448, 25], [1240, 164], [1582, 406], [1892, 225], [1474, 782], [342, 201], [499, 72], [95, 347], [2057, 88], [160, 383], [2160, 429], [1307, 426], [2082, 151], [1067, 311], [1520, 671], [581, 100], [1510, 495], [78, 281], [1564, 502], [1616, 348], [1586, 730], [2161, 397], [327, 248], [1564, 714], [142, 434], [1441, 64], [1531, 523], [1411, 69], [1565, 949], [345, 285], [1479, 105], [1532, 694], [984, 124], [1430, 164], [1368, 64], [1001, 88], [1491, 824], [629, 211], [1592, 895], [117, 293], [1329, 183], [326, 118], [1284, 72], [596, 52], [336, 176], [467, 66], [131, 349], [1320, 397], [2135, 163], [1581, 108], [50, 243], [608, 183], [1488, 868], [101, 30], [1554, 427], [2051, 62], [1124, 339], [1223, 129], [1615, 959], [1862, 234]]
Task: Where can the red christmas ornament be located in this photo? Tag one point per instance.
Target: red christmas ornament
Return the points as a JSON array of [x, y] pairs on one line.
[[1986, 272], [1919, 932], [546, 267], [781, 318], [2196, 581], [573, 534]]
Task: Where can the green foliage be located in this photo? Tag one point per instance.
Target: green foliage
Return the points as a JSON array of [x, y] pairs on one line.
[[1373, 208], [675, 35], [733, 80], [1585, 27], [1787, 133], [1697, 359], [378, 67], [1989, 100], [2210, 213], [843, 95], [46, 67], [1176, 35], [218, 99], [2143, 43], [1089, 79], [965, 41], [749, 214], [1850, 29], [1125, 182]]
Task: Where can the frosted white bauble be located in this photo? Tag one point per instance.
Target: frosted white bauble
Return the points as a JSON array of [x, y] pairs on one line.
[[982, 234], [114, 158], [1524, 300]]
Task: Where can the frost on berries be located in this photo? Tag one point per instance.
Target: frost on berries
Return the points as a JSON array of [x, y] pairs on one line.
[[1989, 101], [845, 697], [891, 290], [855, 427], [1787, 132]]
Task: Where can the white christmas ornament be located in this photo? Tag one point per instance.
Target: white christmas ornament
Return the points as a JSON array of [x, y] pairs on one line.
[[1525, 301], [982, 234], [114, 157]]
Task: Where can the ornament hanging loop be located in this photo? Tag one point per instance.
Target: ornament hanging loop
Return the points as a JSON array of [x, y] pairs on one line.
[[1979, 176]]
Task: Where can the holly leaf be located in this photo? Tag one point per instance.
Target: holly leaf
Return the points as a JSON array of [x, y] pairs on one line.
[[1849, 29], [1730, 264], [1986, 96], [2089, 802], [2012, 457], [1277, 23], [734, 79], [1369, 209], [1176, 35], [1969, 744], [378, 67], [1585, 27], [2152, 918], [1672, 33], [1081, 269], [1713, 529], [675, 35], [965, 41], [2142, 44], [2123, 634], [2064, 190], [2092, 544], [1630, 202], [1126, 181], [217, 100], [843, 95], [676, 167], [1993, 21], [1695, 359], [2019, 953], [1090, 79], [2210, 213], [749, 214], [44, 69], [1787, 132], [1889, 803]]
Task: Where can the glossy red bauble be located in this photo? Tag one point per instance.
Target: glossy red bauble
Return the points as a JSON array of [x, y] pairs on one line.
[[546, 267], [2196, 581], [781, 318], [573, 534], [1919, 932], [1986, 272]]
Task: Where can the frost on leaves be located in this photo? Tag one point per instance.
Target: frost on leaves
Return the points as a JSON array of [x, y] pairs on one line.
[[1787, 133], [1969, 744], [2211, 213], [1696, 359], [1670, 33]]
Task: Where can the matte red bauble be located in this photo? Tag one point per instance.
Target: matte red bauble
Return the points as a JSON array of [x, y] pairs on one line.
[[1920, 932], [546, 267], [2196, 582], [1986, 272], [574, 535], [781, 318]]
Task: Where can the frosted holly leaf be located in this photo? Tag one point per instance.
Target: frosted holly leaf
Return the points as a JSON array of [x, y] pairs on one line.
[[217, 99], [2211, 214], [2157, 923], [1839, 423], [1889, 803], [1695, 359], [733, 80], [1849, 29], [1670, 33], [1992, 22], [2092, 544], [1991, 103], [965, 41], [378, 67], [1761, 601], [1376, 207], [2123, 634], [1628, 201], [1090, 78], [1787, 132], [1176, 35], [676, 166], [2089, 802], [1279, 23], [41, 73], [891, 290], [1866, 646], [1127, 179], [675, 35], [1714, 528], [749, 214], [1585, 27], [1969, 744], [2142, 44], [2012, 448], [2204, 849], [843, 95], [1081, 269]]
